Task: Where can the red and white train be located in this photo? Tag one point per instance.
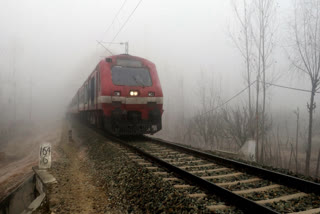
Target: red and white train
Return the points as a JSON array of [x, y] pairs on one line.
[[122, 95]]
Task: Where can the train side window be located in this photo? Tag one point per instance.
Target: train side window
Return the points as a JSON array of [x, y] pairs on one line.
[[82, 95], [78, 98], [98, 81], [92, 89], [86, 93]]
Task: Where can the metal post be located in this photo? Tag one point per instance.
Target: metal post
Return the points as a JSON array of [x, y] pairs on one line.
[[70, 135], [126, 47]]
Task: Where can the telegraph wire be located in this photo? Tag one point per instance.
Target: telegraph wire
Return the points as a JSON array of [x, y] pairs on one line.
[[125, 22]]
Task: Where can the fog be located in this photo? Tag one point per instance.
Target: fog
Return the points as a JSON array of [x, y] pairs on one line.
[[54, 44], [48, 48]]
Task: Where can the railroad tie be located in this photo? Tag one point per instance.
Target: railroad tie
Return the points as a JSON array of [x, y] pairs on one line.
[[130, 153], [260, 189], [160, 173], [283, 198], [204, 165], [197, 195], [213, 208], [144, 163], [168, 150], [155, 146], [312, 211], [222, 176], [163, 153], [156, 149], [210, 170], [182, 186], [134, 156], [238, 182], [170, 159], [152, 167], [180, 162], [137, 159], [170, 179]]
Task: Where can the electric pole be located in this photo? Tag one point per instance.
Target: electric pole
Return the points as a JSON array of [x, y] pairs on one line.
[[30, 107], [126, 45]]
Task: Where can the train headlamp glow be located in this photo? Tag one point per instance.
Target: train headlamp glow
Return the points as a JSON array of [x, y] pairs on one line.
[[134, 93], [117, 93], [151, 94]]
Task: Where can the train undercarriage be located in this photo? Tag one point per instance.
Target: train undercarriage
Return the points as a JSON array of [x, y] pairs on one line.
[[128, 124]]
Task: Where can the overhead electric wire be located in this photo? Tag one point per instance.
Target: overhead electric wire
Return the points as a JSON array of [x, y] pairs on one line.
[[104, 47], [243, 90], [125, 22], [233, 97], [114, 19], [287, 87]]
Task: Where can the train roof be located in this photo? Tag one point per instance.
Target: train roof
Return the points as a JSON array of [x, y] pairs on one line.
[[128, 56]]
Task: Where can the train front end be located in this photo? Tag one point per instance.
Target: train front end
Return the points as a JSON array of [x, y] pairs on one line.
[[132, 99]]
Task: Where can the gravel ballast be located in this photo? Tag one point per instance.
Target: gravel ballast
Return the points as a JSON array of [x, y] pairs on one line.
[[130, 186]]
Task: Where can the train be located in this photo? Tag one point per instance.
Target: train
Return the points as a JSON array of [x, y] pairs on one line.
[[122, 95]]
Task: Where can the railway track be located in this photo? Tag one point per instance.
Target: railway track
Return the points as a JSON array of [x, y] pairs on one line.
[[221, 183]]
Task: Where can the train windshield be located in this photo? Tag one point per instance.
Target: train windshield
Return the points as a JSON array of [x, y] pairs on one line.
[[131, 76]]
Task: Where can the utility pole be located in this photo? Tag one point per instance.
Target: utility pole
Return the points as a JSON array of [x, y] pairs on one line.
[[126, 45], [14, 100], [14, 82], [30, 107], [297, 113]]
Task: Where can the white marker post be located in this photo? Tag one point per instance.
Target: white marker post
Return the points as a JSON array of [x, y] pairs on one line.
[[248, 150], [45, 156]]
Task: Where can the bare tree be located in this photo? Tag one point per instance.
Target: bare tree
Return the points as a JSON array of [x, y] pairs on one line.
[[263, 34], [237, 125], [306, 55], [297, 113], [243, 42], [207, 121]]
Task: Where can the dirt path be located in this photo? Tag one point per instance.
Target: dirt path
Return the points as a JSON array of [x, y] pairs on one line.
[[19, 156], [77, 190]]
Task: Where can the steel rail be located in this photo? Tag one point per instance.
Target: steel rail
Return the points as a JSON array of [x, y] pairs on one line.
[[286, 180], [240, 202]]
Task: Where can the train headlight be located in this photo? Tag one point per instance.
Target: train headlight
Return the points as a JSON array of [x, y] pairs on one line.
[[134, 93], [151, 94], [117, 93]]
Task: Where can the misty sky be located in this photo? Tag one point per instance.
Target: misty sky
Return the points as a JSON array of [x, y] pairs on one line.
[[54, 44]]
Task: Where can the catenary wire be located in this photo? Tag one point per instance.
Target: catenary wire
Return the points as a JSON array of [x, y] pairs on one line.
[[233, 97], [125, 22], [114, 19], [100, 43], [287, 87], [243, 90]]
